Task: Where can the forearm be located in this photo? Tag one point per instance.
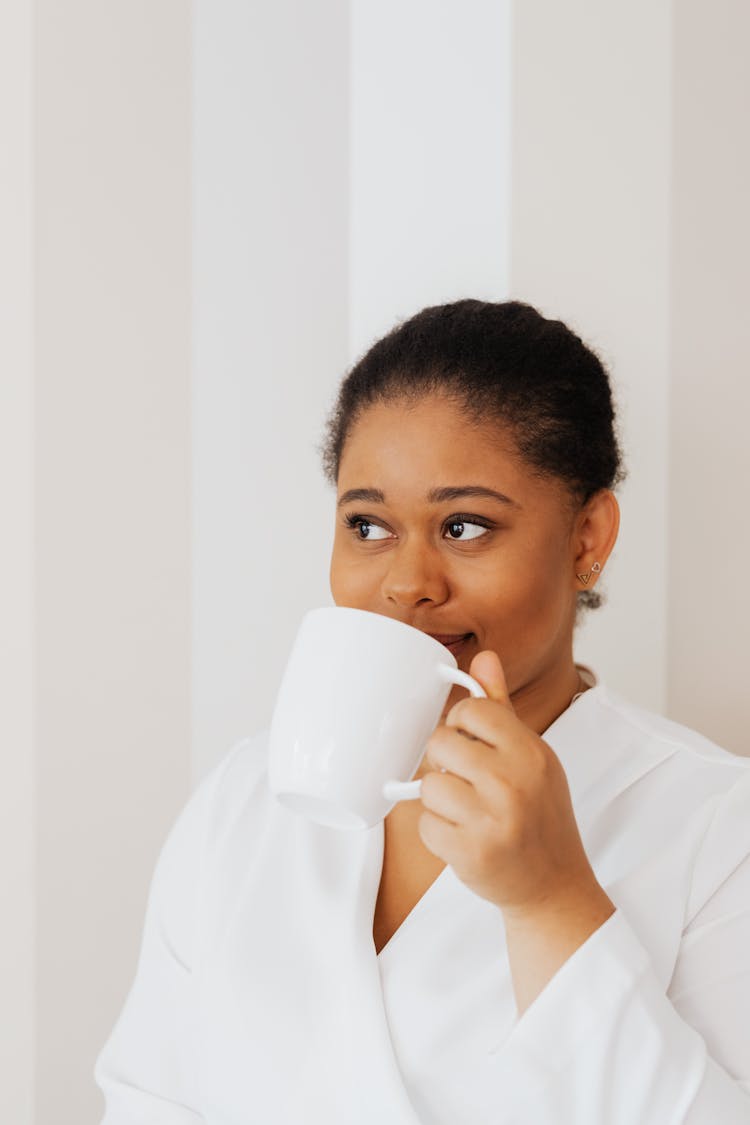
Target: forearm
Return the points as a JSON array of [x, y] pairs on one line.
[[541, 939]]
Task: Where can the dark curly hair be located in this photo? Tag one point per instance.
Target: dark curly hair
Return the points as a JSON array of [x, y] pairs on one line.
[[500, 361]]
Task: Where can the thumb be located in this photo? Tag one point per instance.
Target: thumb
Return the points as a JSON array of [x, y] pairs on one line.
[[487, 669]]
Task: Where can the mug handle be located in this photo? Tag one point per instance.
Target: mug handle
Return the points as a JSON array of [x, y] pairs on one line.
[[410, 790]]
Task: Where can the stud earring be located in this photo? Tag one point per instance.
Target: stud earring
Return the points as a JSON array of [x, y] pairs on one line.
[[594, 570]]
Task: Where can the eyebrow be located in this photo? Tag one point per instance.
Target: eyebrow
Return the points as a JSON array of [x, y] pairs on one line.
[[434, 496]]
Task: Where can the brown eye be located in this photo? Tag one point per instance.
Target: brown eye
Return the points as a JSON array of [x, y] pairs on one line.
[[356, 523], [460, 525]]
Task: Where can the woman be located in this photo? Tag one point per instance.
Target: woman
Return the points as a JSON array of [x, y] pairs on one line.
[[557, 932]]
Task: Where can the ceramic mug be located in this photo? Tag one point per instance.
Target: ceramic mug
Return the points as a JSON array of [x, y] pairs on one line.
[[360, 696]]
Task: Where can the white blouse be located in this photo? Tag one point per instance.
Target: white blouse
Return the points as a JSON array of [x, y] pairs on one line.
[[259, 998]]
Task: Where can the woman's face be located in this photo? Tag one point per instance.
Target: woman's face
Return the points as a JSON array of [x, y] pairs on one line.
[[423, 550]]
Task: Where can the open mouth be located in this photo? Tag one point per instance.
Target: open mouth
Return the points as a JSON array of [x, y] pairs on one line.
[[453, 642]]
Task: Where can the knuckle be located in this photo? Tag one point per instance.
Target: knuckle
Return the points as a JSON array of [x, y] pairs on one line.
[[485, 852], [438, 737], [430, 785], [540, 759], [507, 804], [459, 708], [425, 826], [497, 795]]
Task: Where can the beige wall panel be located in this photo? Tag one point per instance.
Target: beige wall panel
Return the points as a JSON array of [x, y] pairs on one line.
[[17, 804], [112, 469], [589, 223], [709, 605]]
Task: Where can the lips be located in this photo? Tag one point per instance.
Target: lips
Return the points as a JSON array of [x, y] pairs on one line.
[[452, 641]]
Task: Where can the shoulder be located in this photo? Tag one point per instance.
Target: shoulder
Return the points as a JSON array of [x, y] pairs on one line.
[[241, 765], [693, 781], [209, 843], [683, 766], [178, 879], [235, 788], [216, 802], [606, 741], [648, 726]]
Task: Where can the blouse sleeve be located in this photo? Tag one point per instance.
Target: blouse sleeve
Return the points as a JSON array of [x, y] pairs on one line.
[[604, 1042], [146, 1069]]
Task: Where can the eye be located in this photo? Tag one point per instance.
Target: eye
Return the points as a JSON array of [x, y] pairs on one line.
[[356, 523], [461, 524], [459, 528]]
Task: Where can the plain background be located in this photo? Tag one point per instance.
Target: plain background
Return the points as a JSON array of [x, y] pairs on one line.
[[207, 213]]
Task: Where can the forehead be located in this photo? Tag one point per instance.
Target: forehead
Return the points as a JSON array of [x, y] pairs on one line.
[[433, 440]]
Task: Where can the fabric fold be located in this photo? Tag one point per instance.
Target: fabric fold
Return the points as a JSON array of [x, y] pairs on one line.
[[259, 999]]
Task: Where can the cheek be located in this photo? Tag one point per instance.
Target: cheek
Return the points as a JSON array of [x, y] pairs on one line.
[[529, 588], [350, 581], [550, 602], [337, 574], [507, 581]]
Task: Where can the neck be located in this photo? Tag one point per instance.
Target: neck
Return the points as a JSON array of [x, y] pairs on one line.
[[541, 701], [538, 704]]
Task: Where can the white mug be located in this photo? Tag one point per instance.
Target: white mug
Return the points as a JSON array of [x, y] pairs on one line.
[[360, 697]]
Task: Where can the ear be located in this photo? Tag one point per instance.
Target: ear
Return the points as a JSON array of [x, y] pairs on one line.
[[594, 535]]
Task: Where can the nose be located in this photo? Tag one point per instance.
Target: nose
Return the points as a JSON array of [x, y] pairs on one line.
[[414, 575]]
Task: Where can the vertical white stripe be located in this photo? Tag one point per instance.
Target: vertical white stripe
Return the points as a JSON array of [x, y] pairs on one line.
[[430, 153], [270, 229]]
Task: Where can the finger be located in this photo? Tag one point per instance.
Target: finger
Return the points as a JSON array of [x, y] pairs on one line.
[[450, 797], [449, 750], [441, 837], [488, 670], [484, 719]]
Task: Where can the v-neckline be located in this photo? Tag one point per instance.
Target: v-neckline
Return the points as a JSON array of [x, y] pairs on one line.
[[446, 875], [434, 888]]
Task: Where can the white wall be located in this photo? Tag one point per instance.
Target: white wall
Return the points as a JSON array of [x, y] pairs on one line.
[[342, 177], [166, 530], [630, 181], [590, 244], [430, 158], [406, 150], [709, 532], [111, 196], [17, 794], [270, 283]]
